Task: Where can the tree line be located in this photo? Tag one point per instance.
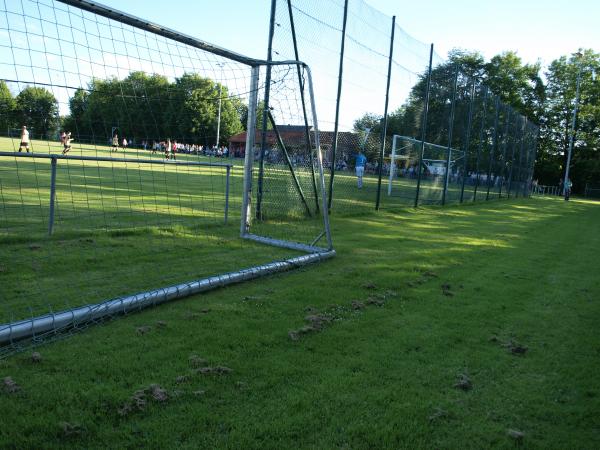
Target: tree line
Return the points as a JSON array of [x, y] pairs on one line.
[[140, 107], [35, 107], [546, 101]]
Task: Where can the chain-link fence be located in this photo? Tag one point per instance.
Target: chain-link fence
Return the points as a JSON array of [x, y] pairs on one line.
[[377, 86]]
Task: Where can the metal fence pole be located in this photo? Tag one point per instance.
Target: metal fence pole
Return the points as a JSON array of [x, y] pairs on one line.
[[467, 138], [227, 181], [52, 194], [480, 146], [450, 132], [337, 105], [385, 114], [494, 144], [249, 155], [303, 100], [424, 126], [263, 139]]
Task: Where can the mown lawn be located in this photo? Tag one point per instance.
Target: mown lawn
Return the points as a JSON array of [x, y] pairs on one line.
[[470, 325]]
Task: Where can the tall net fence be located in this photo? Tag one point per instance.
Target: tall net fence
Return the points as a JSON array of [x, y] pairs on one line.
[[466, 144], [128, 166]]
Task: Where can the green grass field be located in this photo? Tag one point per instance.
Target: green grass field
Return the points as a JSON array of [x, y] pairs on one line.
[[104, 208], [460, 327]]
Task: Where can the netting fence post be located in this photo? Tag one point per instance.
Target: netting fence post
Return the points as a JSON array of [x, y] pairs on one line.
[[249, 154], [385, 114], [450, 132], [303, 100], [337, 104], [467, 138], [494, 144], [424, 126], [263, 138]]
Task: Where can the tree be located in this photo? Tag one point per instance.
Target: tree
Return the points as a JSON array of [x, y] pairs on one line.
[[7, 108], [38, 109], [192, 112], [558, 112]]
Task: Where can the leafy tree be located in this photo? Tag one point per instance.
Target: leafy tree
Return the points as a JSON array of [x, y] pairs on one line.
[[7, 108], [555, 133], [38, 109]]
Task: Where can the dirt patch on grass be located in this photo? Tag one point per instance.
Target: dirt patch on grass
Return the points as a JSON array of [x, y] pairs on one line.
[[69, 430], [140, 398], [463, 382], [10, 386], [216, 370]]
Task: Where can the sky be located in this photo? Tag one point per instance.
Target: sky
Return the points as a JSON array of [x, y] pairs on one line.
[[537, 29]]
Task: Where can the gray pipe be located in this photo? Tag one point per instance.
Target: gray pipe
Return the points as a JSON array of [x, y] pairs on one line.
[[66, 319]]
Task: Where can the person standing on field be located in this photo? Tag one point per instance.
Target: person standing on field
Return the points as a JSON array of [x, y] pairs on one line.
[[361, 161], [67, 143], [24, 139], [115, 143], [568, 186], [174, 150], [168, 149]]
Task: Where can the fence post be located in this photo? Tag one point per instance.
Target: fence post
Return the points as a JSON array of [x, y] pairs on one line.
[[424, 126], [227, 181], [337, 105], [450, 132], [494, 144], [385, 114], [249, 155], [467, 139], [303, 100], [263, 139], [53, 161], [480, 146]]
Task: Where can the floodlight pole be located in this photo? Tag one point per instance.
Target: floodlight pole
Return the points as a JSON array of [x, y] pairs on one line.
[[504, 147], [573, 123], [424, 126], [512, 158], [450, 132], [480, 146], [467, 139], [385, 114], [220, 97], [494, 144]]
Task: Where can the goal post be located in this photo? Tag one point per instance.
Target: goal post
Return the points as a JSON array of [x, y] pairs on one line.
[[158, 220], [404, 161]]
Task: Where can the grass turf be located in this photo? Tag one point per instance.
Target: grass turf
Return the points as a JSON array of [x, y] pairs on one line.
[[448, 295]]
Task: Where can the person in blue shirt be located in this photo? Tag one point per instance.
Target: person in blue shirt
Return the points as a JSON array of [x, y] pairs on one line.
[[568, 186], [361, 161]]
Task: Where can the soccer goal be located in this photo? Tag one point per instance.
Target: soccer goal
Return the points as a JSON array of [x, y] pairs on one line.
[[161, 166], [439, 166]]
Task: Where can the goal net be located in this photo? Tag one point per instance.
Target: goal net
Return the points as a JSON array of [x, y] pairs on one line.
[[139, 165], [440, 166]]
